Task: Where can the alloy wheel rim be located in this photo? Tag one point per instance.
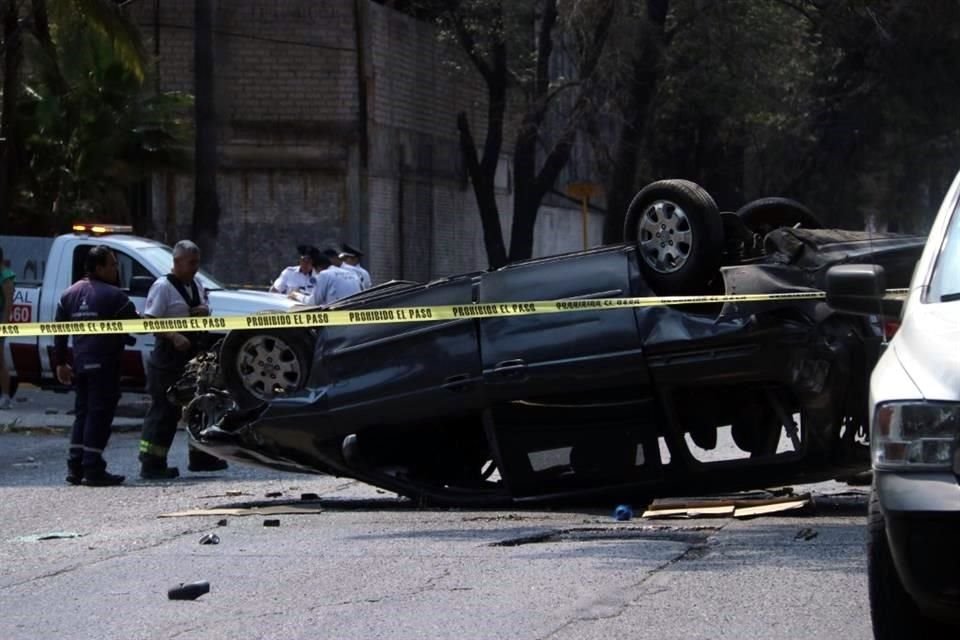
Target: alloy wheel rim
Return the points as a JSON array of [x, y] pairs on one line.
[[665, 236], [268, 366]]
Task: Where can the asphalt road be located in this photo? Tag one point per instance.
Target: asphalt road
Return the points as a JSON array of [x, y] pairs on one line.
[[369, 565]]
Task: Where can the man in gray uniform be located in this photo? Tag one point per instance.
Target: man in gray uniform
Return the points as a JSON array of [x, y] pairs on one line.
[[179, 294], [351, 260], [333, 282]]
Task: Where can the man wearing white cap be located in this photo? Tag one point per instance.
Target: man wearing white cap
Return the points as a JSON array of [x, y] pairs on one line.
[[351, 260], [297, 282]]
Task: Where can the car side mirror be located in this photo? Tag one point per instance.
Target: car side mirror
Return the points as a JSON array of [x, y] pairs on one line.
[[860, 289], [140, 285]]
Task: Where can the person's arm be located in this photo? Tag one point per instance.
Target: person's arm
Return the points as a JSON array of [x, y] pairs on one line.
[[63, 370], [279, 285], [7, 300], [126, 311], [319, 294], [202, 309]]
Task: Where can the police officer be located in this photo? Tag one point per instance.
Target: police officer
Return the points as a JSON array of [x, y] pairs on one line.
[[177, 295], [351, 260], [333, 256], [297, 281], [333, 282], [96, 365]]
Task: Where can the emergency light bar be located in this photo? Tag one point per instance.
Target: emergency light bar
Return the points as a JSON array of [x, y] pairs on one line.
[[100, 229]]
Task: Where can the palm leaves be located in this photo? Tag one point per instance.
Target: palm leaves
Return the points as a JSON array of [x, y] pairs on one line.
[[106, 18], [90, 126]]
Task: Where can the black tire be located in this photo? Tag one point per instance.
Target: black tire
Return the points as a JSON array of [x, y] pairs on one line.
[[248, 359], [766, 214], [684, 210], [893, 612]]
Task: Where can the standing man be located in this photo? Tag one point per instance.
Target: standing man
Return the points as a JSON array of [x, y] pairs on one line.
[[333, 256], [96, 365], [333, 282], [7, 278], [177, 295], [297, 281], [351, 260]]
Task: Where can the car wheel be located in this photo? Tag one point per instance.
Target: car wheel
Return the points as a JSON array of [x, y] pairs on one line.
[[259, 365], [679, 235], [766, 214], [892, 611]]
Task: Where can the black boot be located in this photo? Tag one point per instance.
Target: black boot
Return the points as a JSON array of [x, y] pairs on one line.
[[155, 468], [102, 479], [74, 472]]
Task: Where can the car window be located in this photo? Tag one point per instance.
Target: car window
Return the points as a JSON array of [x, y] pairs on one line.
[[130, 267], [160, 257], [79, 256], [945, 282], [151, 260]]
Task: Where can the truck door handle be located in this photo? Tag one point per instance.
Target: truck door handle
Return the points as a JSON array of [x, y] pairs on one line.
[[459, 382], [510, 368]]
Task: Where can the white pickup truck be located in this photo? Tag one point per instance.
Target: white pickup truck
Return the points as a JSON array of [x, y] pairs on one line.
[[141, 262]]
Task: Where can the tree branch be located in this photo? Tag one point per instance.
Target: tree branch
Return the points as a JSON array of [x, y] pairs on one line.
[[469, 45], [545, 48]]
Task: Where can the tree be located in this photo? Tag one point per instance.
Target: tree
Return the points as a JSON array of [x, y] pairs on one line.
[[511, 45], [91, 129], [631, 88], [206, 205], [9, 138], [103, 16]]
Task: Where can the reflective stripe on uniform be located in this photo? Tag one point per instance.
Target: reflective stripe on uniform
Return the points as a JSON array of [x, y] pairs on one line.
[[153, 449]]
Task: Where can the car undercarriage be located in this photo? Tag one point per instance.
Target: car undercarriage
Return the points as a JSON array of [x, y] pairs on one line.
[[614, 403]]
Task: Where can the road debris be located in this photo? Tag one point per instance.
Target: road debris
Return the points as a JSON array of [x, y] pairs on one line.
[[210, 538], [745, 505], [806, 534], [254, 510], [622, 512], [273, 494], [188, 591], [53, 535], [271, 523]]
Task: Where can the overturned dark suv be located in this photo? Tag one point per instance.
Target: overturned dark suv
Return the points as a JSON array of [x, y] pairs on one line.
[[620, 402]]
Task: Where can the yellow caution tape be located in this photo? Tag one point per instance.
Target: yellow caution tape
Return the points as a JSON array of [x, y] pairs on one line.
[[317, 317]]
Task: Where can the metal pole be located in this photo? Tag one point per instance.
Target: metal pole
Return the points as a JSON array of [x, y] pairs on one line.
[[586, 213]]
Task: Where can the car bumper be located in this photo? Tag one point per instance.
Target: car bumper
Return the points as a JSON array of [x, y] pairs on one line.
[[922, 514]]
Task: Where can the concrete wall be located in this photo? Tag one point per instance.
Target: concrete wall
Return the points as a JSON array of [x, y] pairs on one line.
[[299, 162]]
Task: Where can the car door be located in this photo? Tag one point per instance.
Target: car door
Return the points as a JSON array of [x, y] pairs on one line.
[[403, 372], [594, 352], [571, 404]]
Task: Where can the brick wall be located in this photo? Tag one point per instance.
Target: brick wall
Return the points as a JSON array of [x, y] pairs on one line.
[[288, 109]]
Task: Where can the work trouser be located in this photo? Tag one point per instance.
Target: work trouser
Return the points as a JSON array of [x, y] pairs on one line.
[[98, 392], [160, 423]]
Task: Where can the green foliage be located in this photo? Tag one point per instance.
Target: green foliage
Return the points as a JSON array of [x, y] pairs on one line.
[[106, 18], [92, 129]]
